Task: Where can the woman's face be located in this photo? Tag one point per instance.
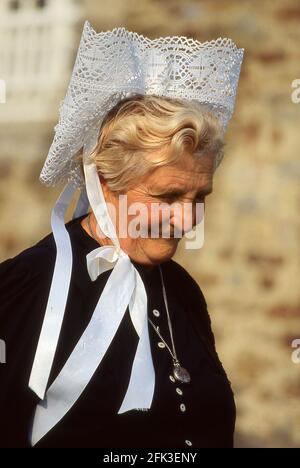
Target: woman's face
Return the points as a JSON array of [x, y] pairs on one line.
[[183, 185]]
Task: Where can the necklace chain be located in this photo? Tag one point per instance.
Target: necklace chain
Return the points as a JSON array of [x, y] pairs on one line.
[[179, 373], [174, 355]]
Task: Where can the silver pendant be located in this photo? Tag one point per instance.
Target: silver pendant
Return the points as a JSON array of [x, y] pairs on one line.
[[181, 374]]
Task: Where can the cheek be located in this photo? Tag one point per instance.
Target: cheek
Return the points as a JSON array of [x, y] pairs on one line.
[[151, 216], [159, 215]]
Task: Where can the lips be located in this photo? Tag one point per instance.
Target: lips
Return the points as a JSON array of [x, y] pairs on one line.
[[165, 230]]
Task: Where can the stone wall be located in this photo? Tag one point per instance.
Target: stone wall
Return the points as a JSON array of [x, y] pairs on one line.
[[249, 266]]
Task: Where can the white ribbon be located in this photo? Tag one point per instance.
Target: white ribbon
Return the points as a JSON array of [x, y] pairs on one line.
[[123, 288], [57, 298]]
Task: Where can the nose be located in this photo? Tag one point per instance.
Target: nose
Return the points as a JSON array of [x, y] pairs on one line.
[[190, 215]]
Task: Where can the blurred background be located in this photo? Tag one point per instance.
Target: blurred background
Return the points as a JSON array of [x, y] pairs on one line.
[[249, 267]]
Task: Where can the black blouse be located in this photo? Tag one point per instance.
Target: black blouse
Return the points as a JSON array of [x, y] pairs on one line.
[[198, 414]]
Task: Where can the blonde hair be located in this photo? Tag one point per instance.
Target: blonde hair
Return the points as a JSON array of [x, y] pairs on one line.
[[142, 132]]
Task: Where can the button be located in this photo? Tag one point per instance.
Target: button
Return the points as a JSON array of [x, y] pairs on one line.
[[156, 312], [182, 407], [179, 391], [161, 344], [171, 378], [188, 442]]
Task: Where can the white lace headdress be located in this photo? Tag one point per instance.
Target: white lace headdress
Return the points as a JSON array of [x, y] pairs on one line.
[[110, 66]]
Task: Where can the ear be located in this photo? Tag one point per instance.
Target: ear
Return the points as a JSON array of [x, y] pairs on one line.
[[104, 187]]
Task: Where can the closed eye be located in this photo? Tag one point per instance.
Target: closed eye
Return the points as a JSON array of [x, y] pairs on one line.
[[171, 197], [175, 194]]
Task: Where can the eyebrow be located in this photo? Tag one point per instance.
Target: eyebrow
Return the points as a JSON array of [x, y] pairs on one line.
[[180, 191]]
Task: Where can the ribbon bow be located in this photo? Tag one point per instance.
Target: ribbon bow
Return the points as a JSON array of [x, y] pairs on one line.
[[105, 258]]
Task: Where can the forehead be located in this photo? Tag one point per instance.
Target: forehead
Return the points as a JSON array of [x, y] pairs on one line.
[[190, 172]]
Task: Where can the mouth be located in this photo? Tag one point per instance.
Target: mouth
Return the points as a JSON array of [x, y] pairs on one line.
[[164, 234]]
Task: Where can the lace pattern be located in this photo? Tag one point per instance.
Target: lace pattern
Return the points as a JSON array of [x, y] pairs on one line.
[[118, 63]]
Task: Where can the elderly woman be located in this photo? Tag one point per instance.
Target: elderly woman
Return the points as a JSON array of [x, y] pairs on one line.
[[149, 336]]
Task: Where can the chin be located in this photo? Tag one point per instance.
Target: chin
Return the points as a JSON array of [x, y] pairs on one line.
[[162, 250]]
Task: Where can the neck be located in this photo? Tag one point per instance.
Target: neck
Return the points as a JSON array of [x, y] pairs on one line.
[[90, 228]]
